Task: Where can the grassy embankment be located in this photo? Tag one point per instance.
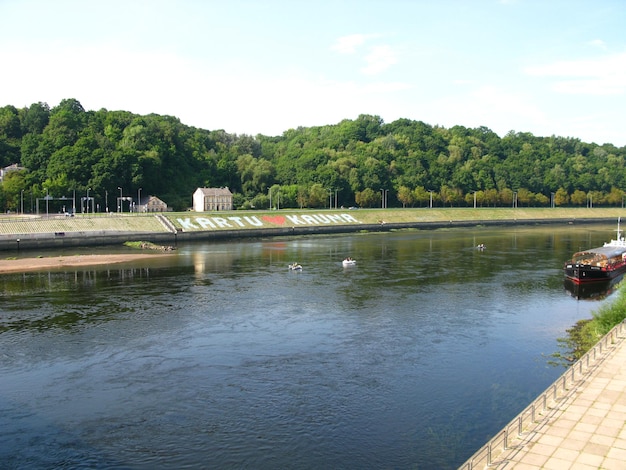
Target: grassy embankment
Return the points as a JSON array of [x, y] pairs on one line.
[[16, 223], [423, 215]]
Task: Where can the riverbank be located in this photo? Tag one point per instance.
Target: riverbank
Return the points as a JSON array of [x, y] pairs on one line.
[[13, 265]]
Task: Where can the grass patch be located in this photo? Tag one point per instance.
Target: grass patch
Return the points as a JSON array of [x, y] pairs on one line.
[[148, 246], [585, 334]]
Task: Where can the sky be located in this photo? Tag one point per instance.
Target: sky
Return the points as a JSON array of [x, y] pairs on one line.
[[548, 67]]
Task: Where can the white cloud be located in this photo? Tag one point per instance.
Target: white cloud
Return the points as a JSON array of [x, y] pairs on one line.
[[349, 44], [598, 43], [602, 76], [379, 59]]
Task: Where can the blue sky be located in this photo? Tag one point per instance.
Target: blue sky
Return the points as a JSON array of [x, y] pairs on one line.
[[549, 67]]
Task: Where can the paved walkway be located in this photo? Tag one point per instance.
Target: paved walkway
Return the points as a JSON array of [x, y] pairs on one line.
[[587, 430]]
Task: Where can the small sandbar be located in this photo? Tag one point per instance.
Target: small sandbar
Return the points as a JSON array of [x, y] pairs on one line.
[[35, 264]]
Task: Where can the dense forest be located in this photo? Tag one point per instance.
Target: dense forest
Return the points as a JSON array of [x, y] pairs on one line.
[[66, 151]]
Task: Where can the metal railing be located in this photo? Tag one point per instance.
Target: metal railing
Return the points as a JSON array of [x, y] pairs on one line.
[[554, 395]]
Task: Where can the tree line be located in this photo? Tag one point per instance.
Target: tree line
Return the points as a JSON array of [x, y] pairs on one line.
[[66, 151]]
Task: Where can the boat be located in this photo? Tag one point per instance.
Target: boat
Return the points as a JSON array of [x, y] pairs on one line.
[[295, 267], [348, 262], [598, 264]]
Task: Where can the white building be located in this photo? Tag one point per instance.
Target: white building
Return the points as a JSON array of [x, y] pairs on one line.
[[212, 199]]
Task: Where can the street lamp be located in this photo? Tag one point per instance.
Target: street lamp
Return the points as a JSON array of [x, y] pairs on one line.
[[552, 200], [138, 198], [383, 198], [431, 198], [119, 206], [88, 189]]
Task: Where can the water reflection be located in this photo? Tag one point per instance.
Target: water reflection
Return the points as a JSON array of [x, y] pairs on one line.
[[592, 290]]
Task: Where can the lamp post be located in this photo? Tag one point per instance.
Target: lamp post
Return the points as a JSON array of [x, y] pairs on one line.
[[88, 189], [119, 206], [514, 199], [106, 201], [138, 198], [22, 202], [431, 198], [552, 200], [47, 199]]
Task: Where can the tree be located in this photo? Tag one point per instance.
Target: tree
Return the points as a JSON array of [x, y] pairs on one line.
[[367, 198], [579, 198], [318, 196], [561, 198], [505, 196], [406, 196], [615, 197], [525, 197], [104, 150], [12, 186], [542, 199], [422, 196], [450, 196], [35, 118]]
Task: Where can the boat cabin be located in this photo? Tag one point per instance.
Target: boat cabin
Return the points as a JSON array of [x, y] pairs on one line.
[[600, 257]]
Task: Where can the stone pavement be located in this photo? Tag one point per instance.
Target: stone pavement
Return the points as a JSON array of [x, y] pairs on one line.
[[586, 430]]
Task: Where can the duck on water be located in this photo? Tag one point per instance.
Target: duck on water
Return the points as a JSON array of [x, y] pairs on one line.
[[598, 264]]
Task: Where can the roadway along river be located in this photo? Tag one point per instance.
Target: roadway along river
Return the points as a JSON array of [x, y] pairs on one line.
[[220, 357]]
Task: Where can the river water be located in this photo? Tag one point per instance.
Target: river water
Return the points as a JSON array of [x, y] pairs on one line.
[[220, 357]]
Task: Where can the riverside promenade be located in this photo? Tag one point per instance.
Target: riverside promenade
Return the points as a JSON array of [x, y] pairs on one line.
[[578, 423]]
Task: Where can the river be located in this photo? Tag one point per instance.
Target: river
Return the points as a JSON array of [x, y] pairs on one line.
[[220, 357]]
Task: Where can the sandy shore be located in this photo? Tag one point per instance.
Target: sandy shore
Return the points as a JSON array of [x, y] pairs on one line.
[[34, 264]]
